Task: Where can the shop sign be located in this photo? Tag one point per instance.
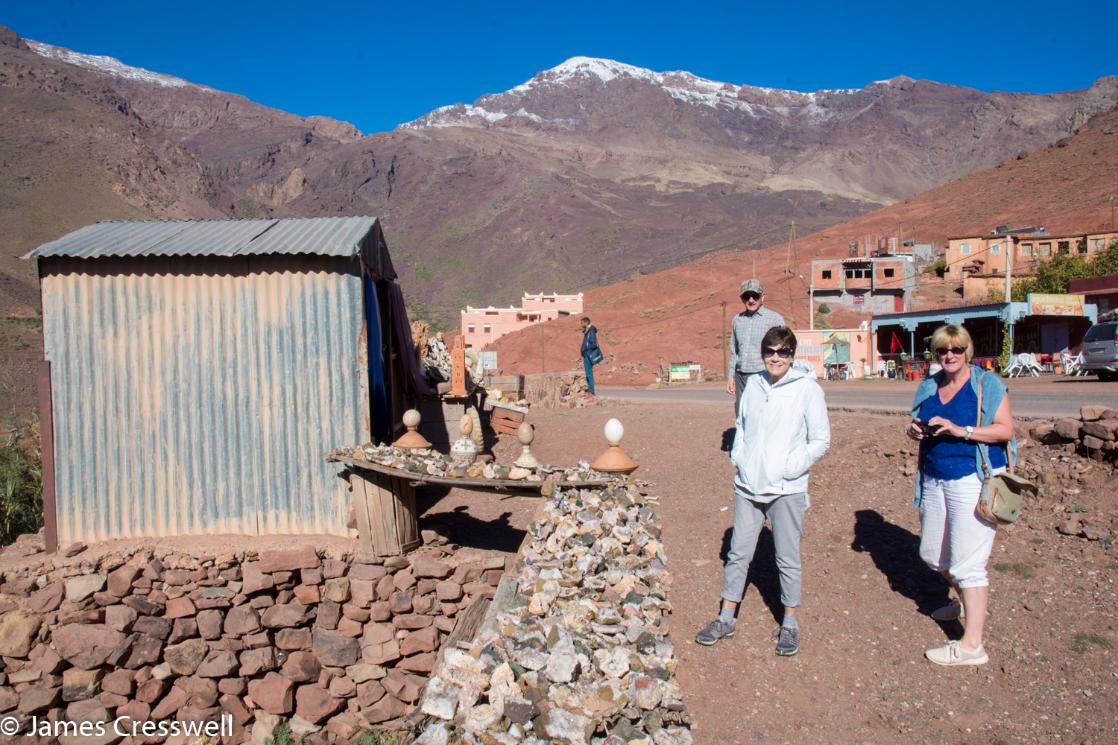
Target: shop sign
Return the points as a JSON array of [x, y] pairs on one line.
[[1044, 304]]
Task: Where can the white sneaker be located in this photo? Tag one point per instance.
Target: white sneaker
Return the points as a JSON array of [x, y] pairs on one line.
[[954, 653], [953, 611]]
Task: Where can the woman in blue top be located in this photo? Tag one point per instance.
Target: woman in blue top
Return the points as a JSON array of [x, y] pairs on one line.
[[955, 439]]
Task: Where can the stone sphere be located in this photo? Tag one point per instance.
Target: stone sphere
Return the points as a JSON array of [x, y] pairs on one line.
[[614, 431], [466, 425], [411, 418], [525, 433]]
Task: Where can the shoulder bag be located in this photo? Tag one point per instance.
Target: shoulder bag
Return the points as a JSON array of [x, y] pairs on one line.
[[1002, 494]]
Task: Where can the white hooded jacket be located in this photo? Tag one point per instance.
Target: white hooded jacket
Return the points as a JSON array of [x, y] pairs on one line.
[[782, 430]]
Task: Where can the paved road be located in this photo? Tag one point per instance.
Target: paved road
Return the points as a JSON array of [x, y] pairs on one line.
[[1031, 397]]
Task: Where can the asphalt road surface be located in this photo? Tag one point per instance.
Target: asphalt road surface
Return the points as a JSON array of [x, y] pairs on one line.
[[1045, 397]]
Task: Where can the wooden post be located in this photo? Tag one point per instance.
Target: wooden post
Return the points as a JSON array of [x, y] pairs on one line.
[[46, 429], [458, 368], [725, 361], [387, 523]]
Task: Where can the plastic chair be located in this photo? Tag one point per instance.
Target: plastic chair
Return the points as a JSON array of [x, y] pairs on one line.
[[1073, 364], [1016, 366], [1032, 364]]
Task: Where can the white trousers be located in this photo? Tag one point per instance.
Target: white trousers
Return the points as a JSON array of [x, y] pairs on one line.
[[953, 538]]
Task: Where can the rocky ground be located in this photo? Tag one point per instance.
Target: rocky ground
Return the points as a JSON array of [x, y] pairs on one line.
[[860, 675]]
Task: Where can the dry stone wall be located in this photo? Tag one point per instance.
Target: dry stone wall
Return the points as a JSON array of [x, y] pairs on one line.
[[1094, 433], [334, 642]]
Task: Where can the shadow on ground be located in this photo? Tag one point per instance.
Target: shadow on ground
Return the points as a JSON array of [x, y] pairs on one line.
[[762, 571], [457, 525], [896, 553]]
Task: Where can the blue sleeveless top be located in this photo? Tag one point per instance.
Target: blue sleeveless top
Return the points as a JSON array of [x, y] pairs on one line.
[[947, 457]]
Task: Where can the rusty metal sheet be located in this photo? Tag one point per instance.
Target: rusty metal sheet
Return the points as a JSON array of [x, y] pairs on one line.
[[199, 395]]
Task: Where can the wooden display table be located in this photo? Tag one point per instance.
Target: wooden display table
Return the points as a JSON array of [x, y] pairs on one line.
[[387, 522]]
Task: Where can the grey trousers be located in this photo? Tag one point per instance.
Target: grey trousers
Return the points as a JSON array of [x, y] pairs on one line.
[[740, 379], [786, 517]]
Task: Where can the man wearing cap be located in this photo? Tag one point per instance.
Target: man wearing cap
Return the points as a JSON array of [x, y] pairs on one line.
[[745, 342]]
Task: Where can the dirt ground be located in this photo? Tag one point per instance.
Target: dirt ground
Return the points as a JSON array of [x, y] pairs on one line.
[[860, 675]]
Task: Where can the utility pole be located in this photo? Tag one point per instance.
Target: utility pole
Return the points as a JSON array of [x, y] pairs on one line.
[[1008, 268], [1008, 287], [811, 304], [725, 361], [543, 359]]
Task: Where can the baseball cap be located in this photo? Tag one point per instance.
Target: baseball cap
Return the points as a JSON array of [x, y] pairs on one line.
[[751, 285]]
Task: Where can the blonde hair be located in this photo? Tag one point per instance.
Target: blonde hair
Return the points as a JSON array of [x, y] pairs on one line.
[[952, 335]]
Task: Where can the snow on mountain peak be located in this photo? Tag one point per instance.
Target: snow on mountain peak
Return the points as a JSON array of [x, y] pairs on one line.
[[107, 65], [680, 85]]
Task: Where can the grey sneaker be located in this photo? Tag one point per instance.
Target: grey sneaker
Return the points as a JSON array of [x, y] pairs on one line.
[[715, 630], [787, 641]]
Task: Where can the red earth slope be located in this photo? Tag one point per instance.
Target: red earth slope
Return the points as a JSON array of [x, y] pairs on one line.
[[675, 315]]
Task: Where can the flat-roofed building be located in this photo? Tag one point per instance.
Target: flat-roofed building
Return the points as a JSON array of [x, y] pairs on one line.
[[878, 284], [483, 326]]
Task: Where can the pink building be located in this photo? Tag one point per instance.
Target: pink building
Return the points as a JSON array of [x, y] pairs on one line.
[[481, 326]]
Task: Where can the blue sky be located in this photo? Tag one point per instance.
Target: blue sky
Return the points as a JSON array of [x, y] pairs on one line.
[[378, 64]]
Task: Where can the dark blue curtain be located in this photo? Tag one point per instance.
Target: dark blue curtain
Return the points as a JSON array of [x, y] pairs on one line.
[[378, 393]]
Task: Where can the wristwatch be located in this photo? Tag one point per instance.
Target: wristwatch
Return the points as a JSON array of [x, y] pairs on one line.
[[970, 431]]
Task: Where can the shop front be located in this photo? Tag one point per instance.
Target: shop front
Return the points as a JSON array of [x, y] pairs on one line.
[[1045, 325]]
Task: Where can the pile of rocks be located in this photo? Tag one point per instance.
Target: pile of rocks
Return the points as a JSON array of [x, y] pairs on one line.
[[578, 652], [1094, 433], [433, 463], [556, 390], [336, 642], [434, 357]]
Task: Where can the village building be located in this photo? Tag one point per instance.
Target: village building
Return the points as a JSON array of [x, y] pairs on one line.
[[881, 284], [1102, 291], [198, 371], [482, 326], [985, 256], [1046, 325]]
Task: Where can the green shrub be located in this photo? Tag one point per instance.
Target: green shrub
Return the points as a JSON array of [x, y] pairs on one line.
[[21, 483]]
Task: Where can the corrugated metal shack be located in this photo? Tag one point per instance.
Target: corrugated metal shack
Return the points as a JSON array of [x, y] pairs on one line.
[[200, 370]]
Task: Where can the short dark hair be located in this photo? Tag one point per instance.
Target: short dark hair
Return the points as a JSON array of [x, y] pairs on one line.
[[585, 318], [779, 335]]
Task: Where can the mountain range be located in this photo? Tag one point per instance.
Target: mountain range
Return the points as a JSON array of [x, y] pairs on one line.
[[585, 175]]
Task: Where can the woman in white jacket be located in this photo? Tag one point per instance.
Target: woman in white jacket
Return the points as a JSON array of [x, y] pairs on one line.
[[782, 429]]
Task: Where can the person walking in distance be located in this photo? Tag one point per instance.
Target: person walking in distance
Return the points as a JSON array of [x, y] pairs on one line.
[[745, 338], [782, 429], [591, 352]]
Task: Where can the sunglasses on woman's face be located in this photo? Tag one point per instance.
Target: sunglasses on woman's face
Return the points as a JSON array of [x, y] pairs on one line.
[[957, 351], [784, 352]]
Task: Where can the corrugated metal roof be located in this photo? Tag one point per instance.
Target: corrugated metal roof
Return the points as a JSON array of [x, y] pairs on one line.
[[322, 236]]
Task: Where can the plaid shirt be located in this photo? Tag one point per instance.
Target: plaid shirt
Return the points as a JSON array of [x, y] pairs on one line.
[[745, 342]]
